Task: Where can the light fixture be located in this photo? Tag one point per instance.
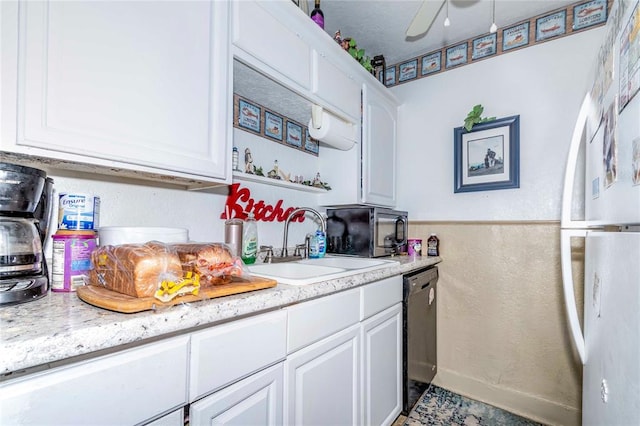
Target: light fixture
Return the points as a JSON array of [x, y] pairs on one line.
[[493, 27], [447, 22]]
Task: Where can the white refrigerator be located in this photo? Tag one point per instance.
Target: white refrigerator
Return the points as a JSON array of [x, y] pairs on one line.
[[605, 156]]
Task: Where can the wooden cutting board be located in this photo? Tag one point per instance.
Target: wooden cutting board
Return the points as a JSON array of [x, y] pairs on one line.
[[114, 301]]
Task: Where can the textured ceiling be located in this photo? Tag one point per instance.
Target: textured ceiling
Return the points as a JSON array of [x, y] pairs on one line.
[[379, 26]]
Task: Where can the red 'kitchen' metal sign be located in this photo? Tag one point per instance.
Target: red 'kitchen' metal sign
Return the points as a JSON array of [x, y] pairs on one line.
[[239, 204]]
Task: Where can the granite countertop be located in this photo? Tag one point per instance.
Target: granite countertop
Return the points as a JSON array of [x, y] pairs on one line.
[[60, 326]]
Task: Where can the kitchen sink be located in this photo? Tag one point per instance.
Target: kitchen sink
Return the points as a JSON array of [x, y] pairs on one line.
[[347, 262], [308, 271]]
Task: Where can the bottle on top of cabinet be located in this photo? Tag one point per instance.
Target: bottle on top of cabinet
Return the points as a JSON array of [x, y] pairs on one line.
[[316, 15]]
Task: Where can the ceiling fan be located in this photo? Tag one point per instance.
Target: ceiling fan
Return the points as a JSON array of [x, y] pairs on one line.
[[424, 17]]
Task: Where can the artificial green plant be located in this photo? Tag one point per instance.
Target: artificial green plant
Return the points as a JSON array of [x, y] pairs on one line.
[[358, 55], [474, 117]]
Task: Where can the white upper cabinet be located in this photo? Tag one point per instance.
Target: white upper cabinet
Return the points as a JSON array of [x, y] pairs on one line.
[[367, 173], [278, 40], [269, 44], [379, 130], [142, 86], [336, 85]]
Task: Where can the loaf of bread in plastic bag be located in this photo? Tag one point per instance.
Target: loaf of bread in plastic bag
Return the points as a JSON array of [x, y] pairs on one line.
[[213, 262], [134, 269]]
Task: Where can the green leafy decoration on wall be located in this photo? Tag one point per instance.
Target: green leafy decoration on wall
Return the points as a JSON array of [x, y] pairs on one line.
[[474, 117]]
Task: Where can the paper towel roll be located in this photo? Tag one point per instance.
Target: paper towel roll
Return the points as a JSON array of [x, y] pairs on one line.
[[334, 132]]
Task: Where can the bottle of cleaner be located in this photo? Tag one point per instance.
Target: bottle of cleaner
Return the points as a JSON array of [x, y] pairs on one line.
[[250, 240], [318, 245]]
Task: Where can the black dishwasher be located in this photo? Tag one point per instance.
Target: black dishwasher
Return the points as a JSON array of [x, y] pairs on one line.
[[419, 364]]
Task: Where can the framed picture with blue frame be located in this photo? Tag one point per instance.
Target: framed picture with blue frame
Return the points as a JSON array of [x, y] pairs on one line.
[[487, 157]]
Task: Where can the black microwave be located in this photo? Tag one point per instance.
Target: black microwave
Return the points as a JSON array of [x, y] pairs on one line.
[[366, 231]]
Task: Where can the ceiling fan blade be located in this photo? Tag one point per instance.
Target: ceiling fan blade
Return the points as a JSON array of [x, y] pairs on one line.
[[424, 17]]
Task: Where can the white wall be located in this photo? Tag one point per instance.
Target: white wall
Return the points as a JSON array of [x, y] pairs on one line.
[[544, 84]]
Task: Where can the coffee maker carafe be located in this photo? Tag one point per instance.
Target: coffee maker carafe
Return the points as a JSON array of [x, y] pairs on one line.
[[25, 207]]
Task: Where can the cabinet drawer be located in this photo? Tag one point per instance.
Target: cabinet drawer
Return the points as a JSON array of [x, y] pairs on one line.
[[317, 319], [335, 86], [224, 354], [380, 295], [256, 400], [259, 33], [126, 388]]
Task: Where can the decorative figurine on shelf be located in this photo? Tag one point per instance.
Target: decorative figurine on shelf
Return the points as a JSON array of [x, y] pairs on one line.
[[234, 163], [337, 36], [248, 161], [274, 173], [316, 183]]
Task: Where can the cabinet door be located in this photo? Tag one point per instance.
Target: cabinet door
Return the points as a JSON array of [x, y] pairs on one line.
[[128, 387], [336, 86], [272, 46], [379, 123], [145, 84], [323, 382], [256, 400], [382, 367]]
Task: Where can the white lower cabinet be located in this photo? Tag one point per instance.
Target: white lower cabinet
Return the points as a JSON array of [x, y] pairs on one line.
[[344, 361], [256, 400], [129, 387], [323, 381], [382, 367], [334, 360]]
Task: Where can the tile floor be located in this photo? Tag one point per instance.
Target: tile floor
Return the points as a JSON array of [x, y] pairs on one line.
[[438, 406]]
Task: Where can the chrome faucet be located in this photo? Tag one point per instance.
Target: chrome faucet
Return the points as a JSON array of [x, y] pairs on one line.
[[323, 223]]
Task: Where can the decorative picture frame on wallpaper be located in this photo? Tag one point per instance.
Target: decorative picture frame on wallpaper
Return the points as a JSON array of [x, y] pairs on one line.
[[249, 116], [408, 70], [456, 55], [551, 26], [487, 157], [390, 76], [431, 63], [589, 14], [311, 145], [273, 125], [515, 36], [484, 46], [294, 134]]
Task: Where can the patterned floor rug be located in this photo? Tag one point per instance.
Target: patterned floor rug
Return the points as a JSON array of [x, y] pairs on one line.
[[440, 407]]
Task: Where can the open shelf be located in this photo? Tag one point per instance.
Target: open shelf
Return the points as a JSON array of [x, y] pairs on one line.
[[240, 176]]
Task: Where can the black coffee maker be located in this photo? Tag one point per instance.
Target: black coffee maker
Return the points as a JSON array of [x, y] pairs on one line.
[[25, 208]]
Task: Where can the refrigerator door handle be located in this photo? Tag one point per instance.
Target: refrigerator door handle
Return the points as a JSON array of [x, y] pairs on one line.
[[570, 169], [569, 295]]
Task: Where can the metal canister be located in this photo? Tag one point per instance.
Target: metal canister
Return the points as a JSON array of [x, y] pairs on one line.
[[233, 235]]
